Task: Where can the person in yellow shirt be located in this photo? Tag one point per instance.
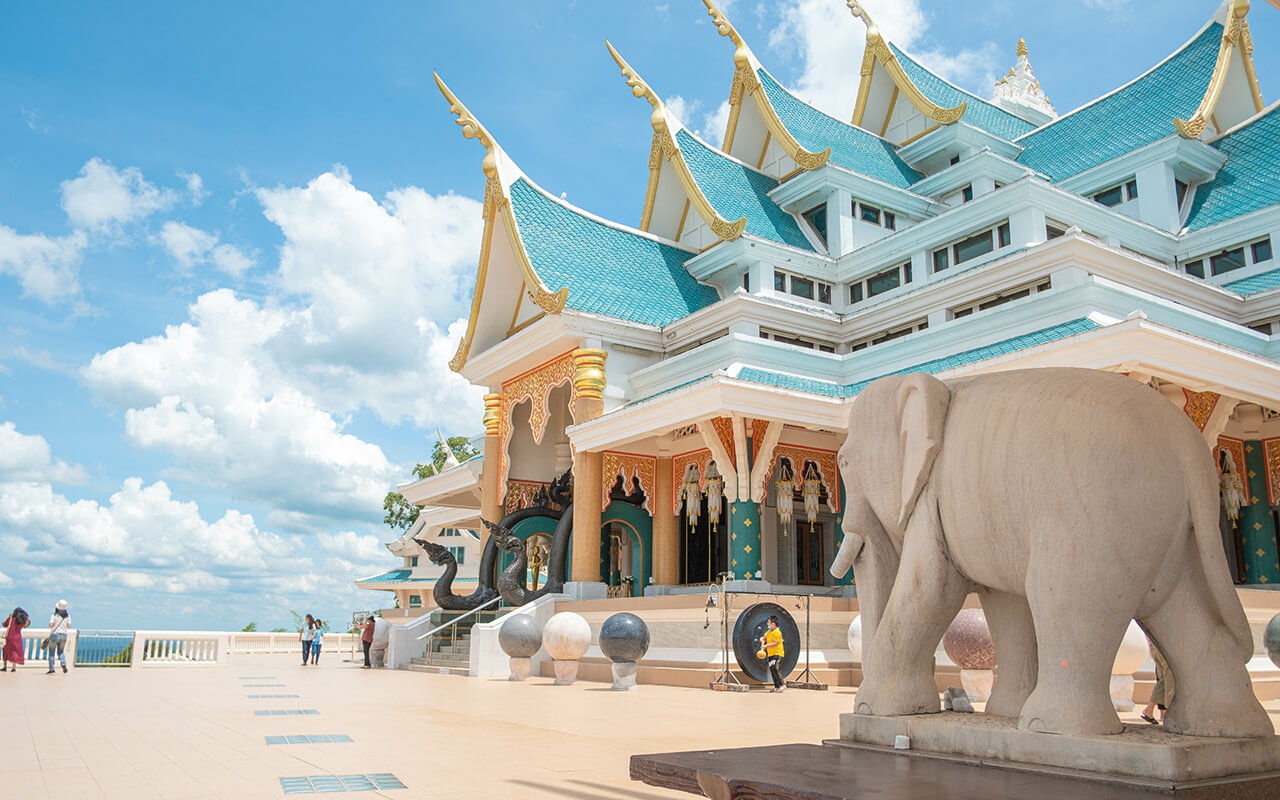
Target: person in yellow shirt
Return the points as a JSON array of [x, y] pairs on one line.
[[773, 653]]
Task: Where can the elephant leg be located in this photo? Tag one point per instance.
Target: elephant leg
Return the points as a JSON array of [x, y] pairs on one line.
[[1078, 629], [1212, 693], [928, 591], [1014, 635]]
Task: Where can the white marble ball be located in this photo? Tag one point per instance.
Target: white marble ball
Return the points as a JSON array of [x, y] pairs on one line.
[[566, 636], [855, 638]]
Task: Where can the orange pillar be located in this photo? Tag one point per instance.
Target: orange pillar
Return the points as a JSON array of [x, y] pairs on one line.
[[588, 404], [490, 491], [666, 531]]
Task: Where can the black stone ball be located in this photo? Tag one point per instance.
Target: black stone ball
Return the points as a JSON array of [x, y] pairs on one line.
[[624, 637], [520, 636], [1271, 639]]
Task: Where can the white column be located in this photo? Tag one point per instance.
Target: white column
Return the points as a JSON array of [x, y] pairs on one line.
[[1158, 197], [1026, 226], [839, 222]]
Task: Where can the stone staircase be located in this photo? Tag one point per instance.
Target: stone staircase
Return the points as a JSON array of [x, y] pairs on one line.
[[449, 652]]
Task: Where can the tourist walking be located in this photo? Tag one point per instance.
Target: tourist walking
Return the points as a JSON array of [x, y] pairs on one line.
[[59, 624], [316, 641], [13, 656], [1162, 692], [773, 653], [366, 639], [306, 635]]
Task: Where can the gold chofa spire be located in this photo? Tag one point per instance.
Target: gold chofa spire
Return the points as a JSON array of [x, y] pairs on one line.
[[1022, 46]]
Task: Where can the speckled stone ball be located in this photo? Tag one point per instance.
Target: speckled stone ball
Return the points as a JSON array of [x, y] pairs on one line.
[[566, 636], [968, 641], [855, 638], [520, 636], [1271, 639], [1133, 652], [624, 637]]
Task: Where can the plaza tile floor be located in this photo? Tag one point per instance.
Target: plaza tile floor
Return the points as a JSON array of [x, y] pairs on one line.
[[193, 733]]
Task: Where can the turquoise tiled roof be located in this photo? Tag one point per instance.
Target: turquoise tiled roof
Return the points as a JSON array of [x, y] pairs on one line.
[[980, 113], [851, 146], [1250, 179], [1255, 283], [608, 270], [395, 576], [737, 191], [1129, 118], [831, 389]]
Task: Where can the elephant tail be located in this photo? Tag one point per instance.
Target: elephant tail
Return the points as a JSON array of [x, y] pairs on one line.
[[1203, 493]]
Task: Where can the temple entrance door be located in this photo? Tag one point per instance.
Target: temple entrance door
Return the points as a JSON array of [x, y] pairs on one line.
[[809, 559], [705, 551]]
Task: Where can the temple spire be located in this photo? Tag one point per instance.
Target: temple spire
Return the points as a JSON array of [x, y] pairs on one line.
[[1019, 92]]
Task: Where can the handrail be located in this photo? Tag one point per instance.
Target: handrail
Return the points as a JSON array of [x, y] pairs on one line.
[[459, 618]]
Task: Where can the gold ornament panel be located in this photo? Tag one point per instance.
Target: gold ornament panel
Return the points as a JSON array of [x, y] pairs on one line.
[[724, 432], [628, 465], [828, 472], [535, 385], [679, 466], [520, 494], [1271, 461], [1199, 406], [1236, 448], [759, 428]]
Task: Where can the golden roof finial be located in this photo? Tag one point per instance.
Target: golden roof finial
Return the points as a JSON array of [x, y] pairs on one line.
[[723, 26], [1022, 46], [471, 127], [639, 88]]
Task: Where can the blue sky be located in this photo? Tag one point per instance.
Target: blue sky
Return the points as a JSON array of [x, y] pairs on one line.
[[235, 246]]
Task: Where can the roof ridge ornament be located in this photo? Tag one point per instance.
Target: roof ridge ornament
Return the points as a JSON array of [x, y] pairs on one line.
[[877, 49], [664, 140], [496, 204], [1020, 92], [1235, 34], [746, 82]]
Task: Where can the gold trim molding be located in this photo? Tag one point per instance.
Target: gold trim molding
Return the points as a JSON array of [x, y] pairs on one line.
[[493, 414], [877, 49], [535, 385], [588, 373], [496, 203], [746, 81], [629, 466], [1235, 34], [664, 141]]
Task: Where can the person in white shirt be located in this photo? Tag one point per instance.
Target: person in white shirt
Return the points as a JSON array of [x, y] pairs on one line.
[[305, 636], [59, 624]]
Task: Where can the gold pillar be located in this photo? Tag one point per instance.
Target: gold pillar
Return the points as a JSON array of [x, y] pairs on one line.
[[588, 404], [666, 531], [490, 491]]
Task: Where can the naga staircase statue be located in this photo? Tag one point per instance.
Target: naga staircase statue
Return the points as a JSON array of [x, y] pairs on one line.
[[511, 584]]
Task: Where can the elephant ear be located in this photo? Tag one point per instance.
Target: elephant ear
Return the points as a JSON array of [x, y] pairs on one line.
[[922, 412]]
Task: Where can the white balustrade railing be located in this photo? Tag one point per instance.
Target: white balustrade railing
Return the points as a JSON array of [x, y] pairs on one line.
[[172, 648]]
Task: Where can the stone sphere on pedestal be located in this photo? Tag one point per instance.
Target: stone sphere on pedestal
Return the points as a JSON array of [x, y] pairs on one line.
[[855, 638], [967, 642], [520, 638], [1133, 653], [566, 637], [624, 637], [1271, 640]]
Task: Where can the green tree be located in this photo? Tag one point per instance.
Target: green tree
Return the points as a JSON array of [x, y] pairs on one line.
[[400, 514], [252, 627]]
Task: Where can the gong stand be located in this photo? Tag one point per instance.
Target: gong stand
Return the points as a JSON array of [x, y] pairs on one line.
[[812, 682], [726, 681]]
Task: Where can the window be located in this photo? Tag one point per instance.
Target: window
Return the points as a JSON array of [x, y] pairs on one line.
[[940, 260], [413, 561], [459, 553], [817, 219], [906, 272], [1111, 197], [967, 193], [1196, 268], [1131, 190], [1227, 261], [779, 281], [1181, 189], [1052, 232], [890, 221], [855, 293], [993, 301], [955, 160], [1004, 298], [870, 214], [802, 287], [746, 281], [883, 282], [824, 293], [1002, 235], [415, 601], [973, 247], [1261, 250]]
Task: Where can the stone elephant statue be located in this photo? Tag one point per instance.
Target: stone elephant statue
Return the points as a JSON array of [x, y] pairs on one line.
[[1071, 501]]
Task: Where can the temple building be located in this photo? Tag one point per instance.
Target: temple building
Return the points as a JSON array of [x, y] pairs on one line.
[[693, 370]]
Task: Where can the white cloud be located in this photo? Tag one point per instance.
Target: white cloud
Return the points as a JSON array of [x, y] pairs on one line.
[[5, 581], [103, 195], [47, 268], [716, 124], [682, 109], [195, 187], [28, 458], [191, 247], [829, 41], [354, 547]]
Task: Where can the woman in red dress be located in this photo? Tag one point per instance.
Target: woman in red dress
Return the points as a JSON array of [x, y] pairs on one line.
[[15, 622]]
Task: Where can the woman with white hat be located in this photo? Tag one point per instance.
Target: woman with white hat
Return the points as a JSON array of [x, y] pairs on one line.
[[59, 624]]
